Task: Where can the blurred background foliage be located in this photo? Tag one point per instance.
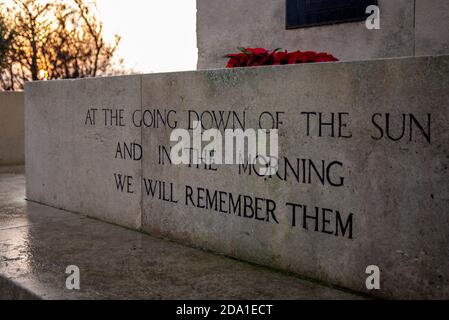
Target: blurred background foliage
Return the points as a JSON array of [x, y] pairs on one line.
[[57, 39]]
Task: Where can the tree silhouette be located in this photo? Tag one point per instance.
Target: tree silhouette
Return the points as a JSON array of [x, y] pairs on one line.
[[5, 43], [54, 40]]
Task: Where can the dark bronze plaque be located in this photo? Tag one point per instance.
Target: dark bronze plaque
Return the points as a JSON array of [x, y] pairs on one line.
[[308, 13]]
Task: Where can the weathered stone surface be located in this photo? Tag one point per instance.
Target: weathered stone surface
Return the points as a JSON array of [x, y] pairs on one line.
[[222, 26], [432, 27], [12, 140], [70, 162], [394, 196]]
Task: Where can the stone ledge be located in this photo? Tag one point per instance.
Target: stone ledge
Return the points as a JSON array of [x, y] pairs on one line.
[[362, 180], [37, 243]]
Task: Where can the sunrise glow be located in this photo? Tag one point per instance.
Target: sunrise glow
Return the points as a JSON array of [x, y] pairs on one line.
[[157, 36]]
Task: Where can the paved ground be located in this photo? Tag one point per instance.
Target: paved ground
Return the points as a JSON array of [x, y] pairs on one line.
[[37, 243]]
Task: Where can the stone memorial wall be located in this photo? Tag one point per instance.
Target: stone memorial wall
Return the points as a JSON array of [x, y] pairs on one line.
[[362, 178], [407, 28]]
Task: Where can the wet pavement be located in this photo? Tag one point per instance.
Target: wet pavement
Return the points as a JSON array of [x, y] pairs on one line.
[[37, 243]]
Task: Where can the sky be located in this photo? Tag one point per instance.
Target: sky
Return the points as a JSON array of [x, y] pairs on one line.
[[157, 35]]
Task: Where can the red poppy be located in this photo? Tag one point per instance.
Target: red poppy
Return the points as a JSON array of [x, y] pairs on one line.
[[250, 57], [237, 60], [280, 57]]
